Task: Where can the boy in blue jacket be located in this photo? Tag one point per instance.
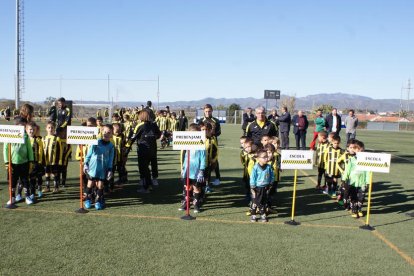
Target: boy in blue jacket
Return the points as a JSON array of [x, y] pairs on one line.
[[261, 178], [98, 167]]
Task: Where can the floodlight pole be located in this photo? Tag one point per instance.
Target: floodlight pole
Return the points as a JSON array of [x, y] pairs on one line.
[[158, 93]]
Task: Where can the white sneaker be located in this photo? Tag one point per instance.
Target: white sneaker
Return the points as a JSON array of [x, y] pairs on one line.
[[155, 182], [143, 191], [13, 201], [19, 198], [216, 182], [29, 201]]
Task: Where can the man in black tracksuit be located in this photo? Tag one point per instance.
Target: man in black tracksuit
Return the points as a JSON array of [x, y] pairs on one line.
[[64, 115], [261, 126], [216, 129]]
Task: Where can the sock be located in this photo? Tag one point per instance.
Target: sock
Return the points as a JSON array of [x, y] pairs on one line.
[[196, 201], [100, 194], [89, 193], [48, 181]]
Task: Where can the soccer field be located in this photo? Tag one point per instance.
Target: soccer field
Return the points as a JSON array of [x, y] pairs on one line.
[[143, 234]]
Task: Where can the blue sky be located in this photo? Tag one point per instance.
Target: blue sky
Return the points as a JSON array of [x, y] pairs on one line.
[[208, 48]]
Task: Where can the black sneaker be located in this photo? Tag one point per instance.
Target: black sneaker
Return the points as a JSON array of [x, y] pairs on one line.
[[263, 218]]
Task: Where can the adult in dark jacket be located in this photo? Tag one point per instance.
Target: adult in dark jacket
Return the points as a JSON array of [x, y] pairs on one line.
[[300, 126], [273, 117], [182, 121], [261, 126], [64, 115], [248, 117], [333, 122], [146, 134], [284, 127], [216, 130]]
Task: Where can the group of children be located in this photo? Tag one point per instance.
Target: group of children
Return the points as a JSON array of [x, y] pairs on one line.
[[335, 164], [35, 158], [261, 174], [48, 158]]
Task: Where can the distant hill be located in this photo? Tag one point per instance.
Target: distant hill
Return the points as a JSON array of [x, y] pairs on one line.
[[339, 100]]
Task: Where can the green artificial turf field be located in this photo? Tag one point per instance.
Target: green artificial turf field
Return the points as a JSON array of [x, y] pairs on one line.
[[143, 234]]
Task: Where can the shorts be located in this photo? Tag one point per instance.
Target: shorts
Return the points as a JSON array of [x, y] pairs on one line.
[[193, 182], [53, 169]]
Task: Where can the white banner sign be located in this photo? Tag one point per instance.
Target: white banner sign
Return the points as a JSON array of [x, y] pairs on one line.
[[373, 162], [11, 134], [297, 160], [189, 140], [80, 135]]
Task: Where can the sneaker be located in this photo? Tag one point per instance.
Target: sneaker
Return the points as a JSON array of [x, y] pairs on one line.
[[248, 213], [216, 182], [29, 201], [197, 209], [253, 218], [155, 182], [39, 194], [32, 197], [325, 191], [183, 207], [143, 191], [13, 201], [360, 214], [354, 215], [263, 218], [87, 204], [333, 195], [98, 205], [55, 190], [19, 198], [46, 190]]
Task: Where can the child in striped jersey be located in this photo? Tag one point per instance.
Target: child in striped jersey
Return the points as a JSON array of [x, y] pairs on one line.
[[66, 155], [343, 195], [38, 170], [274, 161], [332, 172], [320, 149], [118, 140], [52, 153], [211, 154]]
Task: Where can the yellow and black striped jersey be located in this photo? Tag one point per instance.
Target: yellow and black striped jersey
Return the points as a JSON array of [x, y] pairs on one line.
[[163, 123], [119, 145], [66, 152], [52, 150], [320, 149], [331, 156], [343, 160], [211, 150], [38, 151], [275, 164], [250, 162], [128, 128], [80, 154], [174, 124]]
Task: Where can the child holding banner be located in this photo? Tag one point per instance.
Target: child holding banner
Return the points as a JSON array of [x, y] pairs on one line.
[[260, 179], [98, 167], [196, 173], [21, 163], [357, 180]]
